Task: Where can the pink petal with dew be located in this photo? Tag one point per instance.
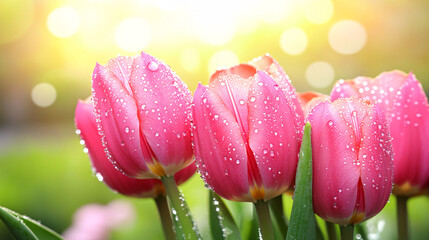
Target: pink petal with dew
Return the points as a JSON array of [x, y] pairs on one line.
[[163, 104], [376, 161], [232, 86], [335, 153], [219, 148], [410, 131], [267, 64], [116, 115], [273, 137], [144, 188]]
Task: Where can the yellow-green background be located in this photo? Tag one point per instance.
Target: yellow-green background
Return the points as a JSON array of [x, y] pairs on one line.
[[43, 171]]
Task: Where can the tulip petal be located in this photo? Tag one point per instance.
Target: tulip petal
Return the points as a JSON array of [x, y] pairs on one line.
[[273, 137], [410, 125], [232, 86], [344, 89], [267, 64], [116, 114], [219, 147], [376, 160], [85, 122], [335, 172], [163, 104]]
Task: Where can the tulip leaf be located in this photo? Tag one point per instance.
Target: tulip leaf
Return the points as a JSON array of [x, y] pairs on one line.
[[222, 224], [23, 227], [361, 229], [302, 221], [277, 210]]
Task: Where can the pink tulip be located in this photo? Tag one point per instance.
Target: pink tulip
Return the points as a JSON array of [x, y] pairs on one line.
[[406, 109], [246, 134], [143, 113], [105, 171], [352, 160]]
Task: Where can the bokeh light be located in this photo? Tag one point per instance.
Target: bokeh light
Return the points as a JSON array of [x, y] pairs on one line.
[[347, 37], [63, 22], [133, 34], [319, 11], [43, 94], [15, 19], [320, 74], [222, 59], [293, 41], [190, 59]]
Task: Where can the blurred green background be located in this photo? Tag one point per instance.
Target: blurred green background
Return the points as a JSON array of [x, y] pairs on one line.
[[48, 50]]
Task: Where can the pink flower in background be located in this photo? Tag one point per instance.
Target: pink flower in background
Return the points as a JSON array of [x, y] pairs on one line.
[[105, 171], [95, 222], [143, 113], [246, 134], [406, 108], [352, 160], [309, 100]]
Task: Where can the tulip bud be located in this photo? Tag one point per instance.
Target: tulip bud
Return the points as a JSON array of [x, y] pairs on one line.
[[246, 134], [406, 109], [352, 160], [143, 114], [105, 171]]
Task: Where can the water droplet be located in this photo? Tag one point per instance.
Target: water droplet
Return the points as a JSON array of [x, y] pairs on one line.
[[127, 129], [238, 161], [99, 176], [330, 123], [252, 99], [156, 134], [153, 66], [78, 131], [241, 102]]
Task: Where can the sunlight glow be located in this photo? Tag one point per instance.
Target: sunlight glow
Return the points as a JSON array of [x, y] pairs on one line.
[[63, 22], [133, 34], [43, 94], [222, 59], [293, 41], [190, 59], [319, 11], [347, 37], [320, 74]]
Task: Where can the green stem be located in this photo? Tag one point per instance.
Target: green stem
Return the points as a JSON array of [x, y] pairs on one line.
[[276, 205], [402, 217], [179, 210], [347, 232], [332, 231], [164, 214], [264, 220]]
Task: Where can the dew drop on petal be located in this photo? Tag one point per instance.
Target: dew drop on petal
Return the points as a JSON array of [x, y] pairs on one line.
[[153, 66]]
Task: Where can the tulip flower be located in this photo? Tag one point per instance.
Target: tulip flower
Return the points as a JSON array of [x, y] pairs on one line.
[[113, 178], [246, 135], [352, 160], [143, 112], [406, 109]]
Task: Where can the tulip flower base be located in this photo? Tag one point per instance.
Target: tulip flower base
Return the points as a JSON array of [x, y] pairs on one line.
[[184, 225]]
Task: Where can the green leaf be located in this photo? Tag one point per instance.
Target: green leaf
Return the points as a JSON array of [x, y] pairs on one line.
[[277, 210], [23, 227], [302, 221], [361, 229], [222, 224]]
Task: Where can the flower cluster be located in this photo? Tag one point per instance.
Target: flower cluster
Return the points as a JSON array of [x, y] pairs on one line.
[[245, 129]]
